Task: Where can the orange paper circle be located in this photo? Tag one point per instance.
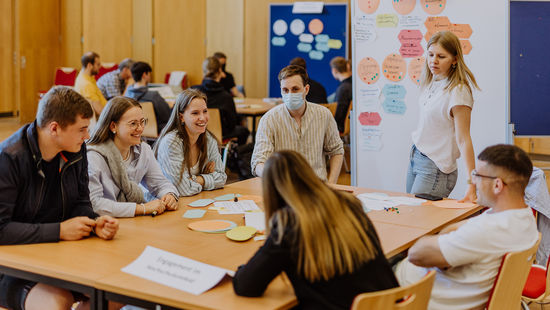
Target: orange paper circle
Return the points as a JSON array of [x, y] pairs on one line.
[[394, 67], [403, 7], [209, 225], [368, 70], [315, 26], [433, 7], [415, 69], [369, 6]]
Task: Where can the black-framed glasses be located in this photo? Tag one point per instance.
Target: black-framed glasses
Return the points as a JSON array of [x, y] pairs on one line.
[[134, 124], [475, 174]]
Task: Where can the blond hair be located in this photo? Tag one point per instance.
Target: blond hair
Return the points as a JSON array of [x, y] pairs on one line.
[[334, 235], [459, 74]]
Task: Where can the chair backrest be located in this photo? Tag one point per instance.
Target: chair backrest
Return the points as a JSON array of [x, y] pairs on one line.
[[347, 122], [150, 130], [215, 124], [331, 106], [412, 297], [65, 76], [511, 277], [176, 78], [106, 68]]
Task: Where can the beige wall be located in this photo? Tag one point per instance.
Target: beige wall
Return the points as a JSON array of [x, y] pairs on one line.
[[225, 33], [38, 49], [169, 34], [7, 45]]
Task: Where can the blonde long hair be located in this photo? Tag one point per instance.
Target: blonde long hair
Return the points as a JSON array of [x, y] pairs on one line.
[[334, 235], [458, 75]]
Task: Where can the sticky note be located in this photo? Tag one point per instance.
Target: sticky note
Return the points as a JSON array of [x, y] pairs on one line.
[[241, 233], [194, 214], [227, 197], [201, 203]]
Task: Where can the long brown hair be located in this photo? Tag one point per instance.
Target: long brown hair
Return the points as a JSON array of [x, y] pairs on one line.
[[174, 123], [112, 112], [331, 226], [459, 74]]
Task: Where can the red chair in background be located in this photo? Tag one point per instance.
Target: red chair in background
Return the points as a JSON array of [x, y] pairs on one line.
[[106, 68], [176, 78], [65, 76]]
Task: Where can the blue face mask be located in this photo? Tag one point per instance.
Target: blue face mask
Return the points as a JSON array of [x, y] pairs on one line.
[[293, 101]]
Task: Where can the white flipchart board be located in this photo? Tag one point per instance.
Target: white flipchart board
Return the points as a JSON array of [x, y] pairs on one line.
[[380, 153]]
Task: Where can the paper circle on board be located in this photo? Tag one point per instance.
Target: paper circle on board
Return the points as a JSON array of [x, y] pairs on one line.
[[297, 27], [368, 70], [280, 27], [369, 6], [433, 7], [415, 69], [241, 233], [394, 67], [403, 7], [315, 26]]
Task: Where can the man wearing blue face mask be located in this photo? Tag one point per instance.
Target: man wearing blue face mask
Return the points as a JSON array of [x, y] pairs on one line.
[[298, 125]]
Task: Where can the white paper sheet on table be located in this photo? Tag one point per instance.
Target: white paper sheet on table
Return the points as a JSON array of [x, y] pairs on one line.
[[239, 207], [379, 201], [176, 271], [165, 92], [256, 220]]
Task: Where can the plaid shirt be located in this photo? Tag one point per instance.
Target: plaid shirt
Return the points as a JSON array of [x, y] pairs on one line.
[[111, 85]]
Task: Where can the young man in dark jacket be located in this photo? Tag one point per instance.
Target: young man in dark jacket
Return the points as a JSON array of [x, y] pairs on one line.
[[44, 193], [141, 72]]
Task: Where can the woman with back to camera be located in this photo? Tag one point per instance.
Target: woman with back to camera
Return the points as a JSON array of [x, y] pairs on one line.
[[118, 162], [320, 237], [443, 132], [187, 152]]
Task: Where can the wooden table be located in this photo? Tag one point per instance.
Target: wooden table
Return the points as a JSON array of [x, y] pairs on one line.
[[252, 107], [93, 265]]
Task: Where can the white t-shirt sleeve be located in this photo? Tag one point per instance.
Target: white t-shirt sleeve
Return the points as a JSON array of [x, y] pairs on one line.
[[460, 95], [464, 245]]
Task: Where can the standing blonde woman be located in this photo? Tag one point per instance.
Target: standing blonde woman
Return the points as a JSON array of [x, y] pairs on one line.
[[118, 162], [443, 132], [319, 237], [187, 153]]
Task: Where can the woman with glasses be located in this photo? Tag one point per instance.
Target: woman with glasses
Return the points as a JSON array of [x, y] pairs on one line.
[[320, 237], [187, 153], [443, 132], [120, 165]]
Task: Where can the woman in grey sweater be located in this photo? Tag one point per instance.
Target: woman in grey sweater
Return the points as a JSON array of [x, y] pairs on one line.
[[187, 153], [119, 162]]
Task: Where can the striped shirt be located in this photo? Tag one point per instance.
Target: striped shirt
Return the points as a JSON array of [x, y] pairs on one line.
[[316, 137], [111, 84], [170, 158]]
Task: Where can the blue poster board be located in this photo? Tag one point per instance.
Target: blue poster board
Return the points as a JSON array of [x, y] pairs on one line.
[[290, 36], [529, 70]]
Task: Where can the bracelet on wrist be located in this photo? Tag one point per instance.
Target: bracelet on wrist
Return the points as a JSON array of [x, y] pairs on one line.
[[143, 208]]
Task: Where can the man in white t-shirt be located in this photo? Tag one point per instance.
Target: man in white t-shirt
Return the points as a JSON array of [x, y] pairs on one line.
[[467, 255]]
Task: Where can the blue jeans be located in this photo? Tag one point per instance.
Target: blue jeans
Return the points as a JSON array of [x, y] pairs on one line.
[[423, 176]]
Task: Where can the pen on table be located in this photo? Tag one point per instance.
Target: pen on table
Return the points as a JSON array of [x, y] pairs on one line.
[[154, 213]]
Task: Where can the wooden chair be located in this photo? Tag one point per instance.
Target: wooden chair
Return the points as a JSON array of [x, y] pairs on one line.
[[215, 127], [510, 280], [106, 67], [150, 132], [412, 297], [331, 106], [345, 136], [537, 286], [65, 76], [176, 78]]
